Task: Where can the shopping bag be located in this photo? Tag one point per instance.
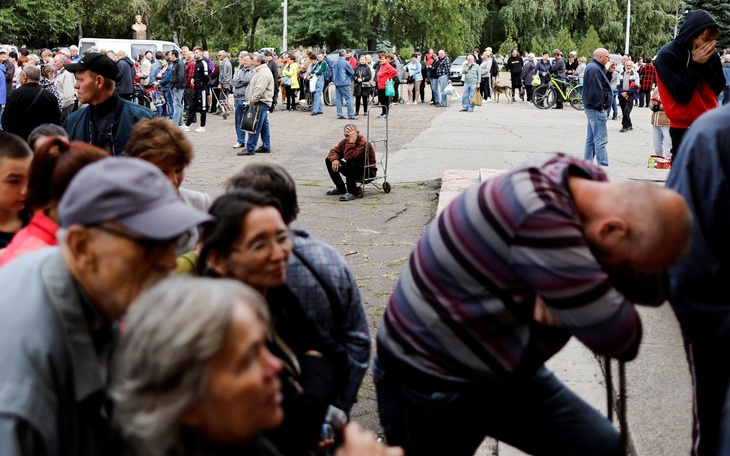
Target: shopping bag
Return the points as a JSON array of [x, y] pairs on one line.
[[251, 118], [313, 83], [536, 80], [286, 81], [476, 99], [389, 88], [158, 98]]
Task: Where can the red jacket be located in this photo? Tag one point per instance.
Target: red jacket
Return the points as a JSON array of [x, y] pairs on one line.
[[385, 72], [682, 115]]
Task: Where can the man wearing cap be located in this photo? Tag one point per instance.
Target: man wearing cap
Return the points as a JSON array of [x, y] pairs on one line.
[[108, 119], [30, 105], [60, 306]]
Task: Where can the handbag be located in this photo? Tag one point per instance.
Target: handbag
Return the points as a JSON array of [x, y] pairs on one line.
[[476, 99], [536, 80], [251, 118], [389, 88], [286, 81], [411, 79]]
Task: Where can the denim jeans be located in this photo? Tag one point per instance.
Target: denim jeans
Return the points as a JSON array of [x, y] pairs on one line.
[[613, 106], [177, 97], [435, 90], [662, 141], [240, 134], [263, 130], [469, 90], [340, 93], [317, 95], [166, 91], [596, 137], [536, 414], [443, 82]]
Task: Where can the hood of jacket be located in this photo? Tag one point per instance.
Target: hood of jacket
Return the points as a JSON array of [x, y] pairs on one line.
[[693, 25]]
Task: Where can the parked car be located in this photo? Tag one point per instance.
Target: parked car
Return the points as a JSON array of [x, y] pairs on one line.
[[12, 48], [456, 66]]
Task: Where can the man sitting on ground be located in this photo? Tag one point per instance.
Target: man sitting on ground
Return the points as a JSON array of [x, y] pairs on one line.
[[348, 158]]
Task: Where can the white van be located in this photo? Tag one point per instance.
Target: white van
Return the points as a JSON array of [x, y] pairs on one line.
[[132, 48]]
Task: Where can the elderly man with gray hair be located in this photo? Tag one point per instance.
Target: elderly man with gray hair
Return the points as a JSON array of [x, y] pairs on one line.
[[261, 94], [59, 307], [65, 81], [29, 105]]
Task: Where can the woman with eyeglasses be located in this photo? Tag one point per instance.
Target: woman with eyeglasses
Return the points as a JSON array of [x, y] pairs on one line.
[[249, 241]]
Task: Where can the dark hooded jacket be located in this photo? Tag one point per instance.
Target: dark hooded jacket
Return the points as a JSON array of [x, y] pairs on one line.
[[687, 88], [125, 78]]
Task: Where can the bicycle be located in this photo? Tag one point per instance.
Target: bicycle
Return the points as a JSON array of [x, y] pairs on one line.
[[546, 95]]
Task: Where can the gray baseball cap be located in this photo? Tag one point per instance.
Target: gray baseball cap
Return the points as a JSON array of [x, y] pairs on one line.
[[129, 191]]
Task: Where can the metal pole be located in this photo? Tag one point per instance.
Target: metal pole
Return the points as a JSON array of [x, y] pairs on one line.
[[284, 46], [628, 26], [676, 20]]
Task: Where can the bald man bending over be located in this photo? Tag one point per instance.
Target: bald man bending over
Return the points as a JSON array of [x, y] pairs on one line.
[[500, 281]]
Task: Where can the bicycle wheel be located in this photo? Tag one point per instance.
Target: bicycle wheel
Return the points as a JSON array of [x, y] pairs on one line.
[[329, 94], [544, 97], [575, 97]]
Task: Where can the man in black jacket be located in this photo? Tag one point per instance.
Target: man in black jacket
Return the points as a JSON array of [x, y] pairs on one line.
[[199, 103], [271, 63], [514, 66], [177, 85], [30, 105], [557, 70], [125, 78]]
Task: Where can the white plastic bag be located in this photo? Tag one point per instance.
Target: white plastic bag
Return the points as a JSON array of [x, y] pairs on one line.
[[450, 90]]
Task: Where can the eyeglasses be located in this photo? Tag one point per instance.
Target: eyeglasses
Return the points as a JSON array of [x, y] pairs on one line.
[[264, 247], [150, 246]]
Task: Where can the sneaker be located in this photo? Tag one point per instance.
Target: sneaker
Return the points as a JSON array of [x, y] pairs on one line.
[[351, 118], [237, 146], [340, 117], [624, 130], [200, 130], [347, 197], [336, 191], [185, 128], [382, 116], [245, 152]]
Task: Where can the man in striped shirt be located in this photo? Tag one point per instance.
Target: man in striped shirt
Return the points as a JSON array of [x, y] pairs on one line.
[[498, 284]]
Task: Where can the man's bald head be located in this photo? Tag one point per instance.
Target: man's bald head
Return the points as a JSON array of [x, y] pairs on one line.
[[635, 226]]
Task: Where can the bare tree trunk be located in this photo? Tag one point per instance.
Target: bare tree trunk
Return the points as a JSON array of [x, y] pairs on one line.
[[81, 31], [254, 21], [374, 25]]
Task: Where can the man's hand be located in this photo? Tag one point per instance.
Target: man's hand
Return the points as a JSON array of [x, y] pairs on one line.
[[625, 95], [704, 51], [336, 166], [359, 442], [543, 315]]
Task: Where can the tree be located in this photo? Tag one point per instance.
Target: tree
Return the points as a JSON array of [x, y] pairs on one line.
[[329, 23], [589, 43], [36, 22], [564, 41]]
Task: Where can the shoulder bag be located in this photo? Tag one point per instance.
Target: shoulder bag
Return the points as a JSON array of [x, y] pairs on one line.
[[251, 118]]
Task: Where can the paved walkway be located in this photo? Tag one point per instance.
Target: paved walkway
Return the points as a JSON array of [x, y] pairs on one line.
[[376, 234]]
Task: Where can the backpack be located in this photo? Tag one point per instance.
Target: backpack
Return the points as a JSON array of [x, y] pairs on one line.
[[328, 71]]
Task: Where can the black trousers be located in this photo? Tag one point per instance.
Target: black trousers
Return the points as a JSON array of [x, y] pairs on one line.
[[364, 95], [199, 102], [516, 83], [291, 98], [188, 96], [627, 105], [676, 134], [384, 101], [353, 172], [644, 98]]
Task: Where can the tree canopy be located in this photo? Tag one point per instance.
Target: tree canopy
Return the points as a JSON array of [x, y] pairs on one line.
[[458, 26]]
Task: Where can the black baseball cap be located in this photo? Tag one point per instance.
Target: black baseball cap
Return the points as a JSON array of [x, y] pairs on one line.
[[96, 62]]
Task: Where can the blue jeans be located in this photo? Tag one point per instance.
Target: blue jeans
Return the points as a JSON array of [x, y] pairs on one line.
[[340, 93], [317, 95], [613, 106], [177, 97], [240, 134], [596, 137], [443, 82], [263, 130], [168, 99], [435, 90], [469, 90], [536, 414]]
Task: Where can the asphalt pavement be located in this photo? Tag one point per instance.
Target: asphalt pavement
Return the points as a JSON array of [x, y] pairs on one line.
[[428, 147]]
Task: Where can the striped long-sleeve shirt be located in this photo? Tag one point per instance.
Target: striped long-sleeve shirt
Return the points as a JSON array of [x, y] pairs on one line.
[[462, 310]]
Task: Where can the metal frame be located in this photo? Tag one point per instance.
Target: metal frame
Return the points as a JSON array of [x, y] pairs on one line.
[[385, 186]]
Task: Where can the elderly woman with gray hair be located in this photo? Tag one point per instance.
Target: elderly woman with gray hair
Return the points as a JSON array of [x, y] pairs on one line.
[[192, 375]]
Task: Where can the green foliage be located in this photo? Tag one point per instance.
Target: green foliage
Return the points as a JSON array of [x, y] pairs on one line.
[[589, 43], [564, 42], [36, 23], [329, 23], [506, 47]]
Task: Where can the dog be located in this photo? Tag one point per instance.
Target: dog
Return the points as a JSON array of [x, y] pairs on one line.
[[504, 90]]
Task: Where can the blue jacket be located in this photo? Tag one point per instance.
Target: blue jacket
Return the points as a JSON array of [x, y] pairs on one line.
[[698, 283], [342, 73], [632, 91], [80, 128], [597, 91]]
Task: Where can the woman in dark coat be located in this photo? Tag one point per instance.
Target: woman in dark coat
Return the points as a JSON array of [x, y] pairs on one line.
[[363, 80]]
